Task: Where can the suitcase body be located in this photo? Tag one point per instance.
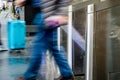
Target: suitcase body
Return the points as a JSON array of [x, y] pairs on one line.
[[16, 34]]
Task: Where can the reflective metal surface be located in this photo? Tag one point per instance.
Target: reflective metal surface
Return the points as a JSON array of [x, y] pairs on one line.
[[89, 42], [106, 45]]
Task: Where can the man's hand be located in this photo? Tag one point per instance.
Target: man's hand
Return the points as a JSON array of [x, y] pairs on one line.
[[58, 18], [20, 3]]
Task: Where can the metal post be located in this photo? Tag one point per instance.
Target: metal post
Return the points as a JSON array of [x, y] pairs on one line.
[[69, 44], [0, 35], [89, 47]]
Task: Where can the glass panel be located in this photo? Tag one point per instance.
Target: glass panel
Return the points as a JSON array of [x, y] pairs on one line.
[[64, 37], [78, 41], [80, 1], [78, 33]]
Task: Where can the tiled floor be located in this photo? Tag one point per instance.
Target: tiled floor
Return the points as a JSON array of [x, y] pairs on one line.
[[12, 65], [15, 64]]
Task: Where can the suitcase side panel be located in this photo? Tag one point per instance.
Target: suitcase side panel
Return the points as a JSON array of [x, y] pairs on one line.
[[16, 35]]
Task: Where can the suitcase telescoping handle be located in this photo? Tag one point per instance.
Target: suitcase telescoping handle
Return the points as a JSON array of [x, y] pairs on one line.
[[16, 11]]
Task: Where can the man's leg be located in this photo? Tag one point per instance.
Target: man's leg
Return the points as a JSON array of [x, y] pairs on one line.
[[61, 60], [39, 48], [59, 55]]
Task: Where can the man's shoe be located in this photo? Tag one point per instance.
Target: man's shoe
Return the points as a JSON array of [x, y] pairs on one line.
[[64, 78], [20, 78]]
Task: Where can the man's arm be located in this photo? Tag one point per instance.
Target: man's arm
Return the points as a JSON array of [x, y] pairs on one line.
[[21, 3], [61, 13]]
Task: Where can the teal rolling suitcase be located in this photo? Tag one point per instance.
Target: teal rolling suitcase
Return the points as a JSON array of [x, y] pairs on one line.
[[16, 34]]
